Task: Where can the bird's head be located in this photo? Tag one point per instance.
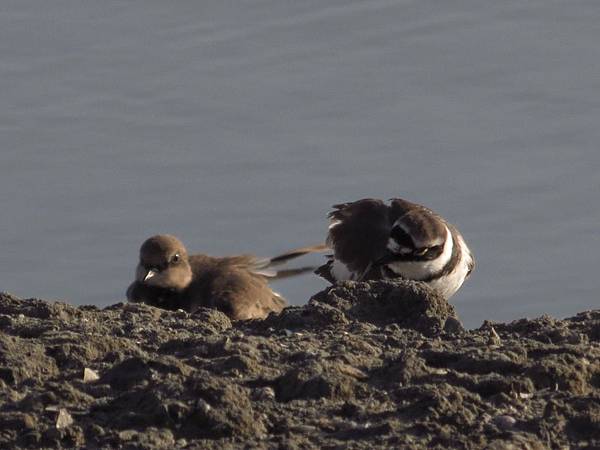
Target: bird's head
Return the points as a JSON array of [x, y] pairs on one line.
[[164, 263]]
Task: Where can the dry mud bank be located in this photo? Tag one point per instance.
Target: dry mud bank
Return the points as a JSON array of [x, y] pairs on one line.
[[363, 365]]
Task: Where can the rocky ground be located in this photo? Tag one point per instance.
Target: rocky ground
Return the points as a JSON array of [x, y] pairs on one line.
[[362, 365]]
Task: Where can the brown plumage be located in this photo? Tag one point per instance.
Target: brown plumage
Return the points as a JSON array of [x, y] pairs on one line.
[[167, 277]]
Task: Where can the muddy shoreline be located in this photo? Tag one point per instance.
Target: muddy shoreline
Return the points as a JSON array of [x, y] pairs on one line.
[[362, 365]]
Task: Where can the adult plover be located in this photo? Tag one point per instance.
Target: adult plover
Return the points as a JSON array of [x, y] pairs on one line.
[[167, 277], [373, 240]]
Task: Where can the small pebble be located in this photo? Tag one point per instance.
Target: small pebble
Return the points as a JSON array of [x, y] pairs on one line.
[[89, 375], [203, 406], [494, 338], [265, 393], [505, 422], [180, 314], [127, 435], [64, 419]]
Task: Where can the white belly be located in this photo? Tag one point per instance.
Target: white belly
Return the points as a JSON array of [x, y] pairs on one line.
[[340, 271], [447, 285]]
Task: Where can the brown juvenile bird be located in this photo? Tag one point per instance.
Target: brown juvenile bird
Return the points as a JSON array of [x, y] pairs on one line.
[[167, 277]]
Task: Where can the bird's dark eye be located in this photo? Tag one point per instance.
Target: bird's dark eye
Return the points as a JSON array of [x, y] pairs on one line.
[[176, 258], [434, 251]]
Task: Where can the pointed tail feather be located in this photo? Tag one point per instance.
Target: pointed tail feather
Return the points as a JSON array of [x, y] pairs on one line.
[[266, 267], [286, 273], [284, 257]]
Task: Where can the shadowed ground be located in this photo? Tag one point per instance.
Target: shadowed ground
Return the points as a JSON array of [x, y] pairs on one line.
[[363, 365]]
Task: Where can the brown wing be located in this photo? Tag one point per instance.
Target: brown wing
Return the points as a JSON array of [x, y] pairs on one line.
[[295, 253], [358, 232], [268, 266], [241, 293]]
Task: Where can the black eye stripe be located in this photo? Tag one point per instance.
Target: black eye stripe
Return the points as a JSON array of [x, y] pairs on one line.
[[401, 237]]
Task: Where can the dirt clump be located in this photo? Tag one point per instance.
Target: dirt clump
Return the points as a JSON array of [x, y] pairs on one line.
[[361, 365]]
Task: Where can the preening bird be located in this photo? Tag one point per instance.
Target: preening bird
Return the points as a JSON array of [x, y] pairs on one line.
[[374, 240]]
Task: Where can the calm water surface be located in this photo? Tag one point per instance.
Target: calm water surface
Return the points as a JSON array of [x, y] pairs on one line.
[[235, 125]]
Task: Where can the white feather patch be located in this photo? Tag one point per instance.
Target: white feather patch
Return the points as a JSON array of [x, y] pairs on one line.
[[394, 247], [340, 271], [450, 283], [334, 223], [269, 273]]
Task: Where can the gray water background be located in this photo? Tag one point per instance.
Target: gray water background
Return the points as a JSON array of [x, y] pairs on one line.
[[235, 125]]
